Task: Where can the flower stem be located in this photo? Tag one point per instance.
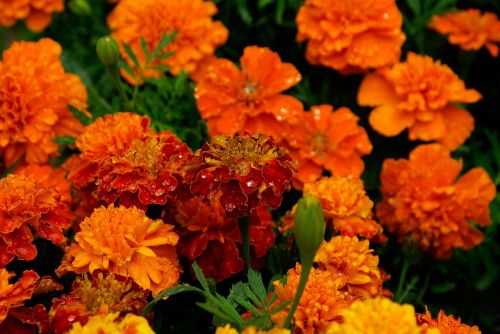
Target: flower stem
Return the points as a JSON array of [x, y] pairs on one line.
[[115, 76], [304, 277], [244, 223]]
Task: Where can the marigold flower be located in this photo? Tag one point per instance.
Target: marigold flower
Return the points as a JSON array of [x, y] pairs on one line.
[[377, 315], [26, 207], [470, 29], [101, 293], [123, 160], [48, 177], [197, 35], [14, 295], [250, 330], [247, 169], [109, 324], [321, 303], [351, 35], [426, 200], [226, 96], [124, 241], [446, 324], [35, 92], [36, 13], [420, 95]]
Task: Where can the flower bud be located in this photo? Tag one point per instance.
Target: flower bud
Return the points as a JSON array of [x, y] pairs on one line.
[[309, 226], [80, 7], [107, 51]]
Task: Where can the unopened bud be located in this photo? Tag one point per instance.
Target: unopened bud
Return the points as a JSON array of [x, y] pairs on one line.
[[107, 51], [309, 226], [80, 7]]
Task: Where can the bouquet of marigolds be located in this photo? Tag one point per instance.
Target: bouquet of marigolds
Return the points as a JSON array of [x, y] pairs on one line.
[[249, 166]]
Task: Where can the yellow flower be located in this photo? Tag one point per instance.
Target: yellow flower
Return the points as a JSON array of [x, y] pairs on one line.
[[250, 330], [108, 324]]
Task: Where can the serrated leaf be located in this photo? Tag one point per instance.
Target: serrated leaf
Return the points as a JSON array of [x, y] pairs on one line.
[[131, 54], [247, 305], [200, 276], [164, 41], [165, 55], [64, 140], [250, 294], [280, 307], [126, 67], [170, 292], [144, 46], [163, 68], [79, 115], [255, 281]]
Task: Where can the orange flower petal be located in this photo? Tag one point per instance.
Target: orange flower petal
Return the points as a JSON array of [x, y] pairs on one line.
[[459, 125], [389, 120], [375, 91]]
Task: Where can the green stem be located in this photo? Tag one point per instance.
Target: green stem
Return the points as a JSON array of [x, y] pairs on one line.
[[244, 223], [402, 279], [115, 76], [304, 276]]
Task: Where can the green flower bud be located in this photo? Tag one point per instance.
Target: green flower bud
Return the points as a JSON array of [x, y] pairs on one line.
[[107, 51], [80, 7], [309, 227]]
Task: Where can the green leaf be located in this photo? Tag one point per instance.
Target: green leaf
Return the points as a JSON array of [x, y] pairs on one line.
[[131, 54], [264, 3], [244, 12], [79, 115], [280, 10], [170, 292], [64, 140], [414, 6], [200, 276], [126, 67], [144, 46], [11, 168], [443, 287], [255, 281], [164, 41]]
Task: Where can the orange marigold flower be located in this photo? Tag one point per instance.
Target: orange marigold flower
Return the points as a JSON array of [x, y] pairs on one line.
[[36, 13], [109, 324], [122, 159], [419, 94], [424, 199], [250, 330], [247, 169], [328, 139], [378, 315], [14, 295], [446, 324], [470, 29], [351, 35], [226, 96], [197, 35], [26, 207], [48, 177], [35, 92], [124, 241], [101, 293], [321, 303], [345, 202]]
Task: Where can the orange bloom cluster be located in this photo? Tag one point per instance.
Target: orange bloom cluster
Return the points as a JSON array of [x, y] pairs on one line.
[[36, 13], [48, 177], [227, 96], [35, 92], [378, 315], [346, 204], [197, 35], [26, 207], [351, 35], [347, 271], [122, 159], [470, 29], [211, 238], [446, 324], [424, 200], [110, 324], [419, 95], [100, 293], [249, 170], [124, 241]]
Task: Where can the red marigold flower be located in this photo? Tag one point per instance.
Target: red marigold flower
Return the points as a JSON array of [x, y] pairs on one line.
[[48, 177], [124, 241], [247, 169], [101, 293], [351, 35], [226, 96], [35, 92], [328, 139], [470, 29], [123, 160], [419, 94], [211, 238], [26, 207], [14, 295], [36, 13], [447, 324], [426, 200], [197, 35]]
